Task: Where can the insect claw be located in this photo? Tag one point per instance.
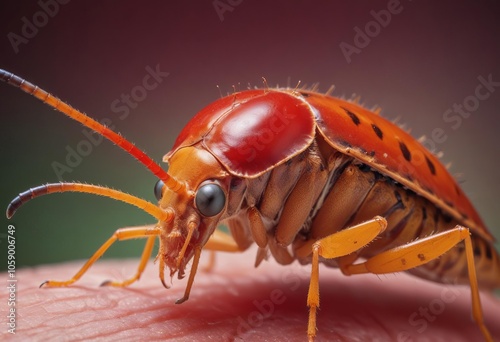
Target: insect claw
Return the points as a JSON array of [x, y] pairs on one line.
[[164, 284], [105, 283], [181, 300], [42, 284], [181, 274], [261, 256]]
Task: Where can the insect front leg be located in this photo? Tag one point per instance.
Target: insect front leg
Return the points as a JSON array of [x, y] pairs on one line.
[[422, 251], [146, 254], [238, 242], [219, 241], [149, 231], [333, 246]]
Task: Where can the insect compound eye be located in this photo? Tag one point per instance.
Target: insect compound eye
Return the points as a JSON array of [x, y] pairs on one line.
[[158, 189], [210, 199]]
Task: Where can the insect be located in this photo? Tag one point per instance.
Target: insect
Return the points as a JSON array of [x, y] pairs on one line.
[[306, 177]]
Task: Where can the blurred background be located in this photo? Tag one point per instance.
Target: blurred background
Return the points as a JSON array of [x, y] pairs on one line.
[[416, 59]]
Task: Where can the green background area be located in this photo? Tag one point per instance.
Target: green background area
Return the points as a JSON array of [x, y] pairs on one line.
[[427, 58]]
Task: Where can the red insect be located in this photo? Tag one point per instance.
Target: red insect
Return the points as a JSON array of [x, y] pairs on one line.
[[306, 177]]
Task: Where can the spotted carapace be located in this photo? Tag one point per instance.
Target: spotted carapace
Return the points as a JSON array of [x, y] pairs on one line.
[[306, 177]]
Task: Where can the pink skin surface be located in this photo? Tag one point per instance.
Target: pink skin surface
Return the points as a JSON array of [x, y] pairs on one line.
[[236, 302]]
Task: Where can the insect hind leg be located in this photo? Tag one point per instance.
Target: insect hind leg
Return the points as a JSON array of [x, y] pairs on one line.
[[421, 251], [121, 234]]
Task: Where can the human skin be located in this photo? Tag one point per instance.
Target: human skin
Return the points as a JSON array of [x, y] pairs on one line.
[[235, 301]]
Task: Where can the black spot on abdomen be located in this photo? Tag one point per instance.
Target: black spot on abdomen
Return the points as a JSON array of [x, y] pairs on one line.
[[404, 149], [353, 116], [378, 131], [431, 166]]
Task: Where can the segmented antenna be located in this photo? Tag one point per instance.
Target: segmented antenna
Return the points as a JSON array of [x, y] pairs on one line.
[[45, 189], [116, 138]]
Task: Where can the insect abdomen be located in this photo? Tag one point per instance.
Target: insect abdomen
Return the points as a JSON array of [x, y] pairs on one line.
[[359, 194], [343, 193]]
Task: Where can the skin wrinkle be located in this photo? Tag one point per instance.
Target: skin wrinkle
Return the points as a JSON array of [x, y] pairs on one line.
[[382, 325], [352, 308]]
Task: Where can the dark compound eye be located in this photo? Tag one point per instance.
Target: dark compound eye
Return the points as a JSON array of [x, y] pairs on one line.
[[210, 199], [158, 189]]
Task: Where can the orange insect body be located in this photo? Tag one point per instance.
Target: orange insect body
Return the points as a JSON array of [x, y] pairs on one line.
[[306, 177]]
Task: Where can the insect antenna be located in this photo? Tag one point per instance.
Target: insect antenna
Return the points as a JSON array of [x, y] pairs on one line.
[[116, 138], [46, 189]]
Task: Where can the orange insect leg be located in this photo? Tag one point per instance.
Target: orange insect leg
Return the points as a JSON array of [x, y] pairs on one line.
[[333, 246], [211, 262], [161, 265], [196, 260], [422, 251], [146, 254], [119, 235], [219, 241], [257, 228]]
